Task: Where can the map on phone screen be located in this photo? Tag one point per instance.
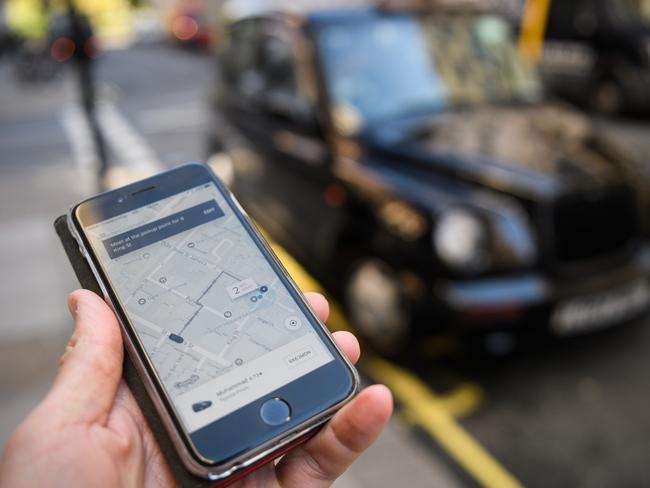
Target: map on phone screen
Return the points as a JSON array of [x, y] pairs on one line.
[[217, 323]]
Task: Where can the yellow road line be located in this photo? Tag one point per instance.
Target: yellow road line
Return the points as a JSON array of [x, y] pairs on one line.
[[420, 405], [463, 400], [424, 408]]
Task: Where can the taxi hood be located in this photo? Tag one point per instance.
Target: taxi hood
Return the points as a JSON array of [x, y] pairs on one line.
[[542, 150]]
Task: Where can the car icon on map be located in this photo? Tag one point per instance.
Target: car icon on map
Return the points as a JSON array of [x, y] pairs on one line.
[[199, 406]]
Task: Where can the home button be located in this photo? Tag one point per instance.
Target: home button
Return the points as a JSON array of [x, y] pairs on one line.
[[275, 412]]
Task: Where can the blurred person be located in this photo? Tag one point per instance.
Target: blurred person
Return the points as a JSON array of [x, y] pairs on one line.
[[89, 430], [81, 34], [84, 52]]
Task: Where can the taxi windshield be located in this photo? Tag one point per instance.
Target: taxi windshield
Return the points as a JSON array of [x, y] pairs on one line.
[[390, 66]]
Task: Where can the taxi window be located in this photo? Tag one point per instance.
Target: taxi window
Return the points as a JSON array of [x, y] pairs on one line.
[[282, 93], [277, 62], [240, 59], [394, 66]]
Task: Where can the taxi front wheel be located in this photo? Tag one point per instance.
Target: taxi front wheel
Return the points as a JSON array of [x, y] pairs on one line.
[[377, 307]]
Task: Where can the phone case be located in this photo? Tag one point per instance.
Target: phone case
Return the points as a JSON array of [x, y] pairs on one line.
[[131, 377]]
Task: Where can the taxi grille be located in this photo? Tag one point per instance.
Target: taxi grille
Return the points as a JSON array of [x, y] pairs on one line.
[[589, 226]]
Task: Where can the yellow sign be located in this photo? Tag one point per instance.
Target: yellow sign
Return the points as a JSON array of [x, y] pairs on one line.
[[26, 18], [533, 27]]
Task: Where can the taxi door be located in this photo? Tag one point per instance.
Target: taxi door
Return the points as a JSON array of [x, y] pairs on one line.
[[288, 185]]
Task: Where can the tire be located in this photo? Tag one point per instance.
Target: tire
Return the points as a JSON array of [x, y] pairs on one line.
[[377, 308]]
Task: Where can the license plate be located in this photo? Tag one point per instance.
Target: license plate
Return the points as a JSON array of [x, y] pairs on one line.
[[602, 310]]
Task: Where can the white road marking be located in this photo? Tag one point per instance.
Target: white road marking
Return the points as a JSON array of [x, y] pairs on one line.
[[133, 149], [81, 142], [180, 117]]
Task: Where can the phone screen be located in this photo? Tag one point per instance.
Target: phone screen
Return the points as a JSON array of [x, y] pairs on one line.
[[219, 326]]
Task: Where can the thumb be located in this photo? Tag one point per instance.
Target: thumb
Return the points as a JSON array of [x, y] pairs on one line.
[[91, 367]]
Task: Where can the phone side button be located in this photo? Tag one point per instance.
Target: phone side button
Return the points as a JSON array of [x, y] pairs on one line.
[[275, 412]]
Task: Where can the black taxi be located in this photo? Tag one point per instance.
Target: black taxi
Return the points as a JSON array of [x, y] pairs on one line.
[[409, 160]]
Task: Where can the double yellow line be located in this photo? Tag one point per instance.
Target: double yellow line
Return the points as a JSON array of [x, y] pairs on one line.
[[428, 411], [421, 406]]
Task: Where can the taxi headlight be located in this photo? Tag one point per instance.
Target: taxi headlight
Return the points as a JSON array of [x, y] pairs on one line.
[[460, 239]]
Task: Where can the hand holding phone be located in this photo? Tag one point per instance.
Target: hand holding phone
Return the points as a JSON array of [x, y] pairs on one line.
[[93, 433], [224, 340]]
